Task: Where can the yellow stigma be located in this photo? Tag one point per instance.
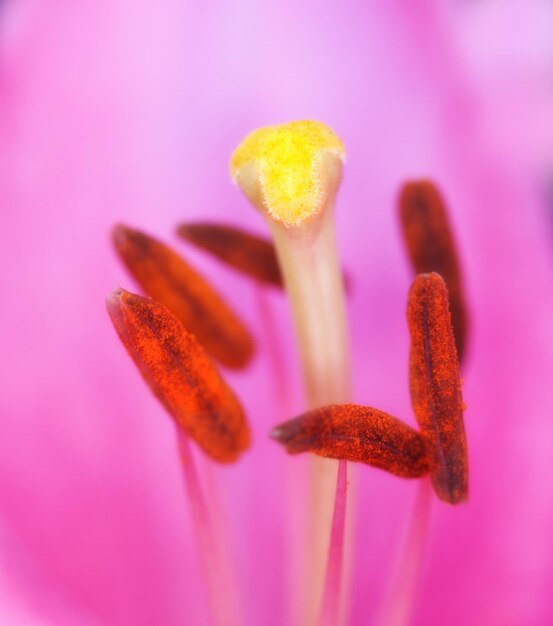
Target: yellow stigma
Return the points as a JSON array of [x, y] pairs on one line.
[[289, 169]]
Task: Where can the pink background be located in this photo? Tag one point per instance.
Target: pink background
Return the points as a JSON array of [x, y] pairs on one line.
[[128, 111]]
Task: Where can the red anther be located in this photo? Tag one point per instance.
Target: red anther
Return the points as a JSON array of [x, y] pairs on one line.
[[357, 433], [431, 247], [181, 375], [436, 386], [250, 254], [167, 278]]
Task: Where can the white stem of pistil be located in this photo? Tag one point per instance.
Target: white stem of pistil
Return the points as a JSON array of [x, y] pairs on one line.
[[314, 282], [315, 287]]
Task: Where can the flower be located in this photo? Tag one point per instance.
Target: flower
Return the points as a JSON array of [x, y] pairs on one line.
[[129, 111]]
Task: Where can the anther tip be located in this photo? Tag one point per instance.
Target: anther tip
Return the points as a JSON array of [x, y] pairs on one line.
[[119, 235], [288, 433], [120, 299], [277, 434], [184, 230], [114, 298], [115, 307]]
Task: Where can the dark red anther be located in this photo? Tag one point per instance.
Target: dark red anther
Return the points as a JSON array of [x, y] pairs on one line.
[[357, 433], [250, 254], [431, 246], [436, 386]]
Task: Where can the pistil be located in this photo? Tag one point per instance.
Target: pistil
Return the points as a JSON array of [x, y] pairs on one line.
[[291, 173]]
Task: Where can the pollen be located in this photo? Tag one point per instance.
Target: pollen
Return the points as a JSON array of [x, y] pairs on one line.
[[288, 165]]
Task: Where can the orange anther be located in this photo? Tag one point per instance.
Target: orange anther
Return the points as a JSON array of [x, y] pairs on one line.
[[166, 277], [180, 374], [357, 433]]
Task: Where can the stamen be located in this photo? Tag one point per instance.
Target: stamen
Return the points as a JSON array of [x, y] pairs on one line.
[[167, 278], [431, 247], [250, 254], [398, 606], [180, 374], [436, 387], [330, 610], [212, 547], [357, 433]]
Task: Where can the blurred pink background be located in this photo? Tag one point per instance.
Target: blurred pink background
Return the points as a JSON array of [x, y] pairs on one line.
[[128, 111]]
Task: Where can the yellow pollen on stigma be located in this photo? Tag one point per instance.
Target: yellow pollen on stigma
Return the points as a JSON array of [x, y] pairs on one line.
[[285, 167]]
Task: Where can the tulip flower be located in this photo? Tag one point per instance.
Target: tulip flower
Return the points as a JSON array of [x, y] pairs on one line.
[[120, 112]]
